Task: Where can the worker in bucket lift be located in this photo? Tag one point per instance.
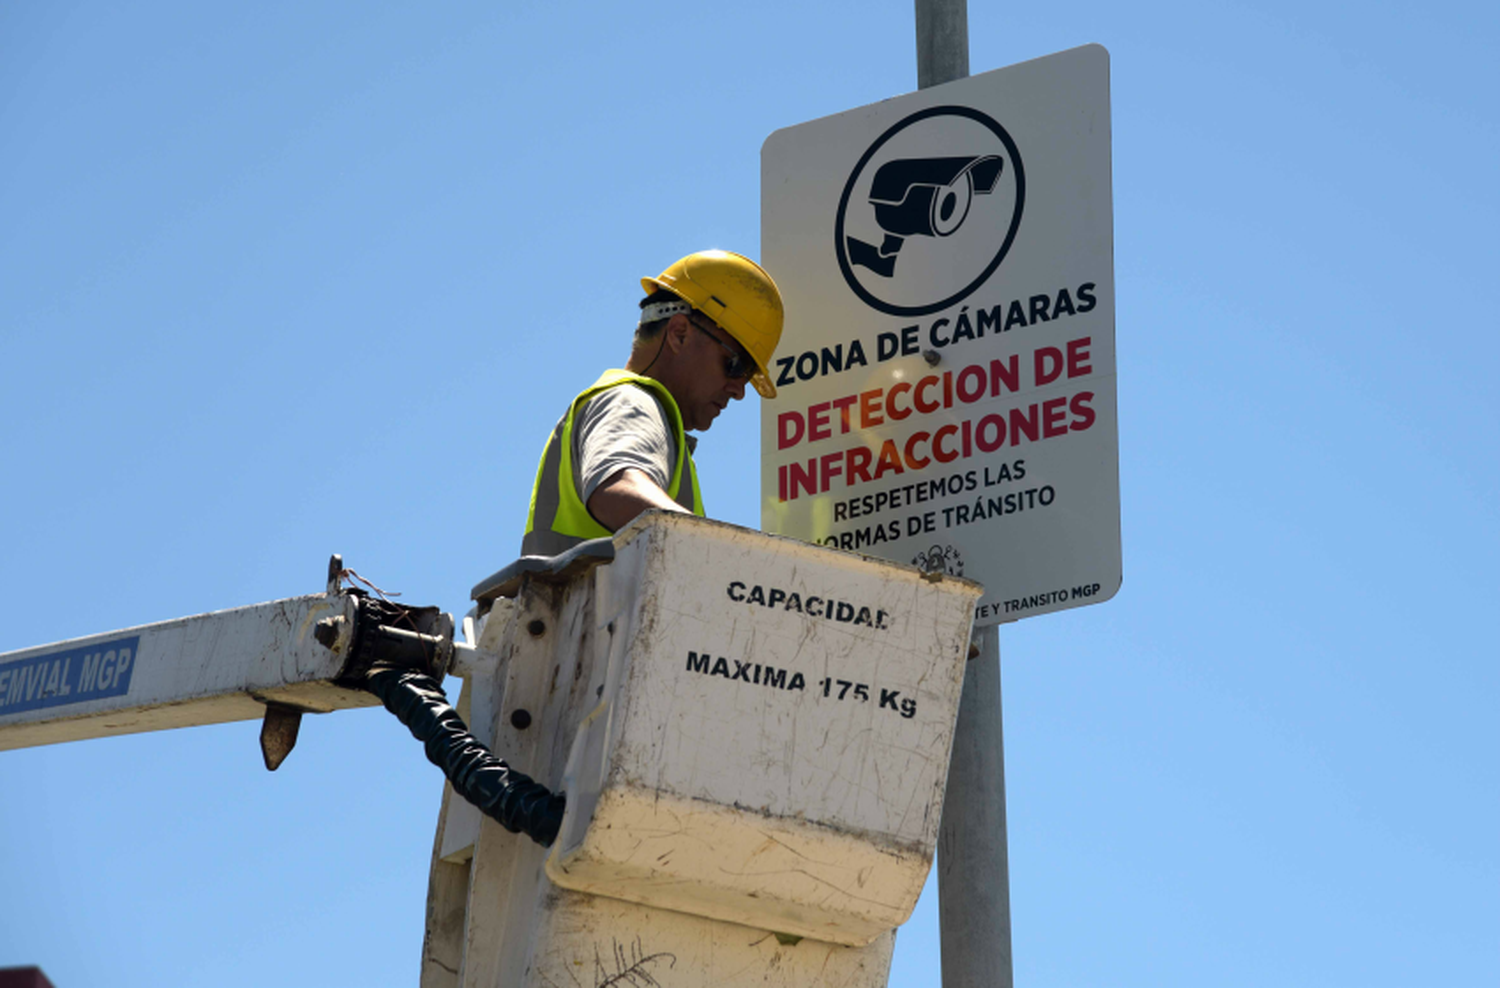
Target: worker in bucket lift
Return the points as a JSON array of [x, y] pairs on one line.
[[708, 324]]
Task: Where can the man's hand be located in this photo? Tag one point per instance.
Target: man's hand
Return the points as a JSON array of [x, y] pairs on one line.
[[616, 502]]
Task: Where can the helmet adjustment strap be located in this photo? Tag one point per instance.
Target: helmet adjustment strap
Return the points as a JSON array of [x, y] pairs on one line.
[[663, 310]]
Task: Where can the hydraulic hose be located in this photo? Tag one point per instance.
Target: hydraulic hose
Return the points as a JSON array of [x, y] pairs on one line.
[[520, 804]]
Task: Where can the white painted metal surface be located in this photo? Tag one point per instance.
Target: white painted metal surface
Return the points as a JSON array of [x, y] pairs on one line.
[[773, 738], [947, 374], [205, 669], [708, 810]]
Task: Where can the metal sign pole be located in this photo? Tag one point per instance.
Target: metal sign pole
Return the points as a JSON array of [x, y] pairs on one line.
[[973, 860], [942, 41]]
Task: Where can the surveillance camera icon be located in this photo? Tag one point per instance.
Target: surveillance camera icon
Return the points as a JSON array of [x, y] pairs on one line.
[[922, 197]]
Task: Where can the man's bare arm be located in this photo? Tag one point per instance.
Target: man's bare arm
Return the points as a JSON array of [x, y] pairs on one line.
[[616, 502]]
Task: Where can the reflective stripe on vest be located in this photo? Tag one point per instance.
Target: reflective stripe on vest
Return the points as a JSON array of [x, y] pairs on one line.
[[558, 518]]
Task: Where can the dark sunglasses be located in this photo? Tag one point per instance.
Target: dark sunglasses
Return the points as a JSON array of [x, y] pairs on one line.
[[737, 366]]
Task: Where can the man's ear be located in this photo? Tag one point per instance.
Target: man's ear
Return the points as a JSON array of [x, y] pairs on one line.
[[677, 332]]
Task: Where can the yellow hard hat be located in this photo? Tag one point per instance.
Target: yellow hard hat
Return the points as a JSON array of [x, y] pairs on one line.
[[736, 293]]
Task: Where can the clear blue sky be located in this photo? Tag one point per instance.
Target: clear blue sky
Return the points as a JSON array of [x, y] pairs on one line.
[[288, 279]]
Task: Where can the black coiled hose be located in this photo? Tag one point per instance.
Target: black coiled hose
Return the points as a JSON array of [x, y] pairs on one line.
[[520, 804]]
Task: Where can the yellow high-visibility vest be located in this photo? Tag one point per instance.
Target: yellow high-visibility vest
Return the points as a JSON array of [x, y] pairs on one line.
[[558, 518]]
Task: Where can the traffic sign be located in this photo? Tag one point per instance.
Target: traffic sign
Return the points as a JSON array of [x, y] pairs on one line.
[[946, 380]]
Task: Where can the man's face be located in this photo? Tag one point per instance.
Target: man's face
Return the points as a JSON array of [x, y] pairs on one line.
[[712, 354]]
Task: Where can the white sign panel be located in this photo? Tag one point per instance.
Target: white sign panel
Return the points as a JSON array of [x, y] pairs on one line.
[[947, 375]]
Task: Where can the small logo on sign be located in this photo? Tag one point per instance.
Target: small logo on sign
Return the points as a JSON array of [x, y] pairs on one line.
[[940, 559], [930, 210]]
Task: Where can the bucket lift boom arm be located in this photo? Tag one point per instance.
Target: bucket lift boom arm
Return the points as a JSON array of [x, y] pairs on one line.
[[278, 660]]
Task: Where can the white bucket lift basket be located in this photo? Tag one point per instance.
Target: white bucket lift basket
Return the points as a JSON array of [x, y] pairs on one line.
[[753, 736], [772, 740]]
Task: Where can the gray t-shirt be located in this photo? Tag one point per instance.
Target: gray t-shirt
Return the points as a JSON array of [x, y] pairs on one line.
[[625, 426]]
